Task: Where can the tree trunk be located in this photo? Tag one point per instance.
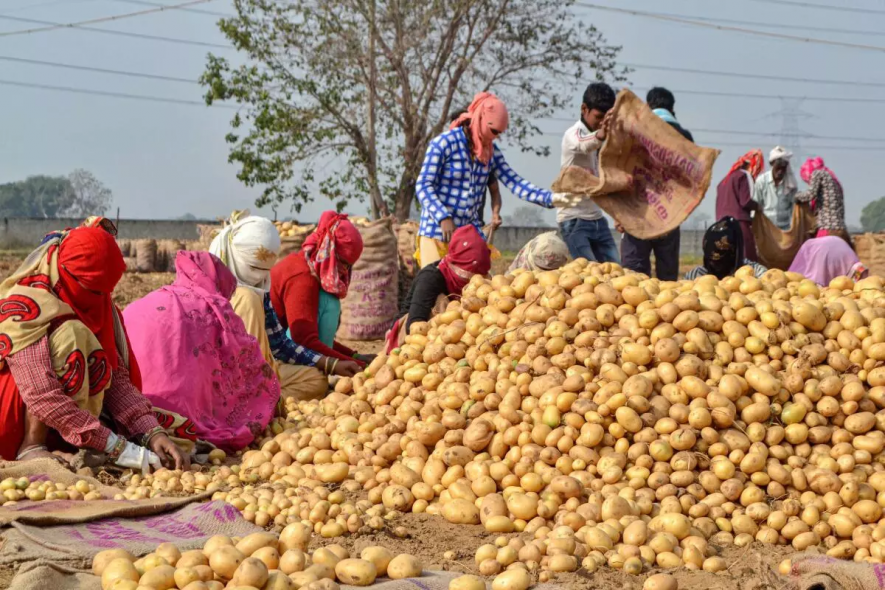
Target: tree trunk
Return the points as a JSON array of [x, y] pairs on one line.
[[379, 207], [403, 201]]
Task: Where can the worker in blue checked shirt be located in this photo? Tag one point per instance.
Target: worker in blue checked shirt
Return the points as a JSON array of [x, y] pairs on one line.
[[455, 176]]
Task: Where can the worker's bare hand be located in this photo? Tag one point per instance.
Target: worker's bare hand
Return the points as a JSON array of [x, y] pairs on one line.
[[605, 126], [347, 368], [448, 228], [170, 455], [496, 219], [619, 228]]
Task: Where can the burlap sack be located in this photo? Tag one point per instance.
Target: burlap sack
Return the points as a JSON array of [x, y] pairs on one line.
[[47, 513], [371, 305], [870, 249], [47, 575], [818, 572], [294, 239], [166, 253], [650, 177], [125, 247], [60, 557], [777, 248], [145, 255], [406, 233]]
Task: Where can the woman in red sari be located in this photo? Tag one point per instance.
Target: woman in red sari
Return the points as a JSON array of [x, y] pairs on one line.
[[306, 287], [65, 357]]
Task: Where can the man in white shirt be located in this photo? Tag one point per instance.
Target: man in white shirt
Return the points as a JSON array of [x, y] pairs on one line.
[[584, 229], [775, 191]]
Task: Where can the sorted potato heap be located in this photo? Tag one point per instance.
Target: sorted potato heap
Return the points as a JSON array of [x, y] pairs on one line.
[[263, 561], [13, 490], [610, 419]]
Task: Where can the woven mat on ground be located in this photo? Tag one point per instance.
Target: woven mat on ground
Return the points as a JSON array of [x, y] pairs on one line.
[[70, 511], [48, 575], [817, 572], [650, 177], [49, 556]]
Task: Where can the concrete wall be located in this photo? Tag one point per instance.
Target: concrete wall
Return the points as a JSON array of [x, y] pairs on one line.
[[20, 232]]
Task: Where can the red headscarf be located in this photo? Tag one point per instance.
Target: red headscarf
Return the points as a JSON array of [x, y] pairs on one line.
[[90, 265], [755, 161], [331, 250], [468, 255], [485, 113]]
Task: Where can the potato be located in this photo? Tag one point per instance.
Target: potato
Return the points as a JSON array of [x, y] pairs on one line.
[[119, 568], [379, 556], [515, 579], [404, 566], [292, 561], [159, 578], [216, 542], [295, 536], [185, 576], [169, 552], [251, 572], [461, 511], [660, 582], [103, 558], [192, 558], [356, 572], [467, 582], [225, 560], [252, 543]]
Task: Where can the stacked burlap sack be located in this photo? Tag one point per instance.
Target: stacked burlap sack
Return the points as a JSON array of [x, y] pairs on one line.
[[818, 572], [870, 249], [148, 255]]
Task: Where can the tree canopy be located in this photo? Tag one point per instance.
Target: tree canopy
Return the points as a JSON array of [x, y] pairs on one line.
[[79, 194], [351, 91], [872, 218]]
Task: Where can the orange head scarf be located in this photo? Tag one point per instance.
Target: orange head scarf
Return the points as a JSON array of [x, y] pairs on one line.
[[755, 161], [90, 265], [331, 251], [485, 114]]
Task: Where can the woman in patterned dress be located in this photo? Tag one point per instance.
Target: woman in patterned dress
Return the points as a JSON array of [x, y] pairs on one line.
[[827, 199]]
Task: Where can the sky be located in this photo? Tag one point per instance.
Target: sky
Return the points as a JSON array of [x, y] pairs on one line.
[[164, 160]]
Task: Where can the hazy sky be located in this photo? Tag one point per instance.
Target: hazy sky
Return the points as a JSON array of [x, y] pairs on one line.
[[164, 160]]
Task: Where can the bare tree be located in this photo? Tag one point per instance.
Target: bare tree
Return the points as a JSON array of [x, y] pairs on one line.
[[88, 195], [366, 84]]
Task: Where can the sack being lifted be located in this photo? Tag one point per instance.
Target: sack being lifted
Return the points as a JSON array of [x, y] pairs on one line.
[[777, 248], [650, 177]]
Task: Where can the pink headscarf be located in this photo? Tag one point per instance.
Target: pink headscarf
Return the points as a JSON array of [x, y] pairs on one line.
[[196, 357], [823, 259], [485, 113], [331, 251], [811, 166]]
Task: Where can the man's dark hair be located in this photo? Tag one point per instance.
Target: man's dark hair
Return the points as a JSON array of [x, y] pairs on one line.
[[660, 98], [599, 96]]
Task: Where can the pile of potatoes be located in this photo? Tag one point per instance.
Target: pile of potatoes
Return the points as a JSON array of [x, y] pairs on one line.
[[261, 561], [591, 416], [14, 490], [289, 229]]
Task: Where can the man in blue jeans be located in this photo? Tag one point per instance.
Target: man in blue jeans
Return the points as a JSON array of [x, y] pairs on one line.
[[584, 229]]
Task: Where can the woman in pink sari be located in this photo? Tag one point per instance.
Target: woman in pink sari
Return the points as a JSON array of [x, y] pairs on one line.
[[197, 358], [824, 259]]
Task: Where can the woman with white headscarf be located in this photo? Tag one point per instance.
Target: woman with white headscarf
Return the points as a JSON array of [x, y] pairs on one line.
[[250, 246]]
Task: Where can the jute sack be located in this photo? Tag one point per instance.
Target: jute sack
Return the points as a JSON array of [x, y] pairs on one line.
[[47, 575], [818, 572], [166, 252], [145, 255], [777, 248], [371, 305], [125, 247], [650, 177], [47, 513], [294, 239], [870, 249]]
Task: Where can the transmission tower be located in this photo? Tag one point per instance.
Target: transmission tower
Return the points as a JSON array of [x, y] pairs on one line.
[[791, 134]]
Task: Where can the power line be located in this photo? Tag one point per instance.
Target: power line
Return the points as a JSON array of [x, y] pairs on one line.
[[191, 10], [38, 62], [109, 94], [823, 6], [697, 23], [103, 19], [44, 5], [756, 76], [773, 25], [119, 33], [770, 96]]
